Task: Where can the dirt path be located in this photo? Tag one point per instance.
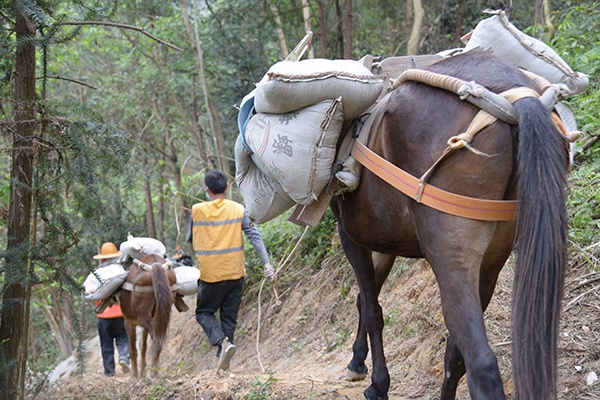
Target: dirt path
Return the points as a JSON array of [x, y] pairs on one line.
[[306, 335]]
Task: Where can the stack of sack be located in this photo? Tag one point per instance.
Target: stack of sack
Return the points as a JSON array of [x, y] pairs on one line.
[[289, 128], [105, 281], [290, 124]]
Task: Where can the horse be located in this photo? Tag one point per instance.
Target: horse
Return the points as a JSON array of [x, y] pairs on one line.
[[146, 301], [524, 165]]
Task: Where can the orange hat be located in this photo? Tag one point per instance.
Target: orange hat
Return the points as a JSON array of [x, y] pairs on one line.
[[108, 250]]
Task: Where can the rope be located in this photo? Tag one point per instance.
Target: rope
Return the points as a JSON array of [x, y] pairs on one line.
[[286, 259]]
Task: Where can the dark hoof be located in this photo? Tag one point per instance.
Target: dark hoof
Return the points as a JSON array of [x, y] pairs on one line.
[[370, 394]]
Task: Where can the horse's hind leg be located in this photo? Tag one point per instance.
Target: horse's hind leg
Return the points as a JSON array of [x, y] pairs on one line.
[[456, 258], [131, 334], [454, 365], [144, 349], [357, 370], [371, 314]]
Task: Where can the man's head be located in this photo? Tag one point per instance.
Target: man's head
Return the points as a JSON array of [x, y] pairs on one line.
[[216, 181]]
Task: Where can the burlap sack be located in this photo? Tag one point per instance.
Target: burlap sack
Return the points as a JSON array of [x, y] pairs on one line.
[[498, 35], [137, 247], [297, 149], [104, 281], [187, 280], [264, 198], [289, 86]]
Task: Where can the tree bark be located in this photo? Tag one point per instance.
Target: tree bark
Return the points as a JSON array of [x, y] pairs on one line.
[[307, 25], [279, 27], [14, 325], [322, 30], [150, 224], [340, 28], [348, 37], [548, 19], [415, 34]]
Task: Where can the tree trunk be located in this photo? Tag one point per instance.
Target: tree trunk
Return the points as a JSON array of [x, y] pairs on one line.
[[150, 224], [322, 30], [57, 318], [279, 27], [548, 19], [213, 117], [349, 37], [307, 25], [415, 35], [340, 28], [14, 325]]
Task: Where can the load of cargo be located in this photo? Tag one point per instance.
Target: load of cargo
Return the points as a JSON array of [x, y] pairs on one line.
[[290, 124], [104, 282]]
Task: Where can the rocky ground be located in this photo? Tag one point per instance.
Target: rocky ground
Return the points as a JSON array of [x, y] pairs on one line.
[[305, 334]]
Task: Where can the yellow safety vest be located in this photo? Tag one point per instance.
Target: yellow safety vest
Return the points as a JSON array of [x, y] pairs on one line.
[[218, 241]]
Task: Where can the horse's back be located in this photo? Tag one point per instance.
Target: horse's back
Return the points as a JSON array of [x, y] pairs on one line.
[[412, 131]]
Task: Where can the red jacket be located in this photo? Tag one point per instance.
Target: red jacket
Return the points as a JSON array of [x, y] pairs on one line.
[[113, 311]]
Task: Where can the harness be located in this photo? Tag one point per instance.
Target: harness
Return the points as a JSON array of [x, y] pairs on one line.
[[493, 107], [133, 287]]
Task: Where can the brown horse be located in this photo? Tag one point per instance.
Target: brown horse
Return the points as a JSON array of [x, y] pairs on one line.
[[146, 301], [527, 162]]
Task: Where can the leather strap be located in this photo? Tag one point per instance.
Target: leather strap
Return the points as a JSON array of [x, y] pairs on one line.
[[143, 289], [462, 206]]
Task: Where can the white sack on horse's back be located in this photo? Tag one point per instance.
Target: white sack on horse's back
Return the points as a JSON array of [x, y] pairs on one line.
[[101, 283], [137, 247], [297, 149], [187, 280], [264, 198], [498, 35], [289, 86]]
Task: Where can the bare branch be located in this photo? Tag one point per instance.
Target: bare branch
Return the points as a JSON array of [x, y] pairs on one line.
[[69, 80], [123, 26]]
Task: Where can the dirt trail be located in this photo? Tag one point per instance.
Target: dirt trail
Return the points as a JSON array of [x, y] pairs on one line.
[[306, 335]]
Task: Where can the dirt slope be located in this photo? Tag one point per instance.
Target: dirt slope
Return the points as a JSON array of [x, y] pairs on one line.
[[306, 334]]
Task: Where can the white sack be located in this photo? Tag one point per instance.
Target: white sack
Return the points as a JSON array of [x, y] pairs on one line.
[[102, 283], [137, 247], [289, 86], [297, 149], [498, 35], [264, 198], [187, 280]]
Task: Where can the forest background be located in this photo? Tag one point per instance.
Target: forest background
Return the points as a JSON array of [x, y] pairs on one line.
[[110, 113]]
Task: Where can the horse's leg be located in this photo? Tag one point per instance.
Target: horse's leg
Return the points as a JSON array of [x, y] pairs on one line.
[[357, 370], [456, 258], [494, 259], [143, 350], [131, 334], [371, 314]]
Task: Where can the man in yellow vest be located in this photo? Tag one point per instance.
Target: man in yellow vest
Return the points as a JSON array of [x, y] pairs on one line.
[[215, 231]]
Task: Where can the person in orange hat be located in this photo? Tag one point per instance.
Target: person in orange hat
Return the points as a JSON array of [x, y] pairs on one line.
[[111, 324]]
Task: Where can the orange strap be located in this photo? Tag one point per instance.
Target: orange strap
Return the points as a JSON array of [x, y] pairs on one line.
[[462, 206]]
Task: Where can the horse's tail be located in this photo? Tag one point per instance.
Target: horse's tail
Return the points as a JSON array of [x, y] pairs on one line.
[[541, 251], [162, 311]]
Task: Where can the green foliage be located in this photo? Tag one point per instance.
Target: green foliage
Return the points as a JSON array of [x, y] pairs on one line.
[[578, 42], [584, 205], [260, 387], [281, 236], [157, 392]]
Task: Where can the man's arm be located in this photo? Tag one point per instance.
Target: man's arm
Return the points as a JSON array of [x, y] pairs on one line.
[[252, 233], [190, 231]]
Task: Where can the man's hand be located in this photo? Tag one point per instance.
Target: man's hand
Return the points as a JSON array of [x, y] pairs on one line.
[[269, 271]]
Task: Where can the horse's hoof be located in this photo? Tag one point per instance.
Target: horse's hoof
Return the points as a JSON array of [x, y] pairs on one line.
[[355, 376], [371, 395]]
